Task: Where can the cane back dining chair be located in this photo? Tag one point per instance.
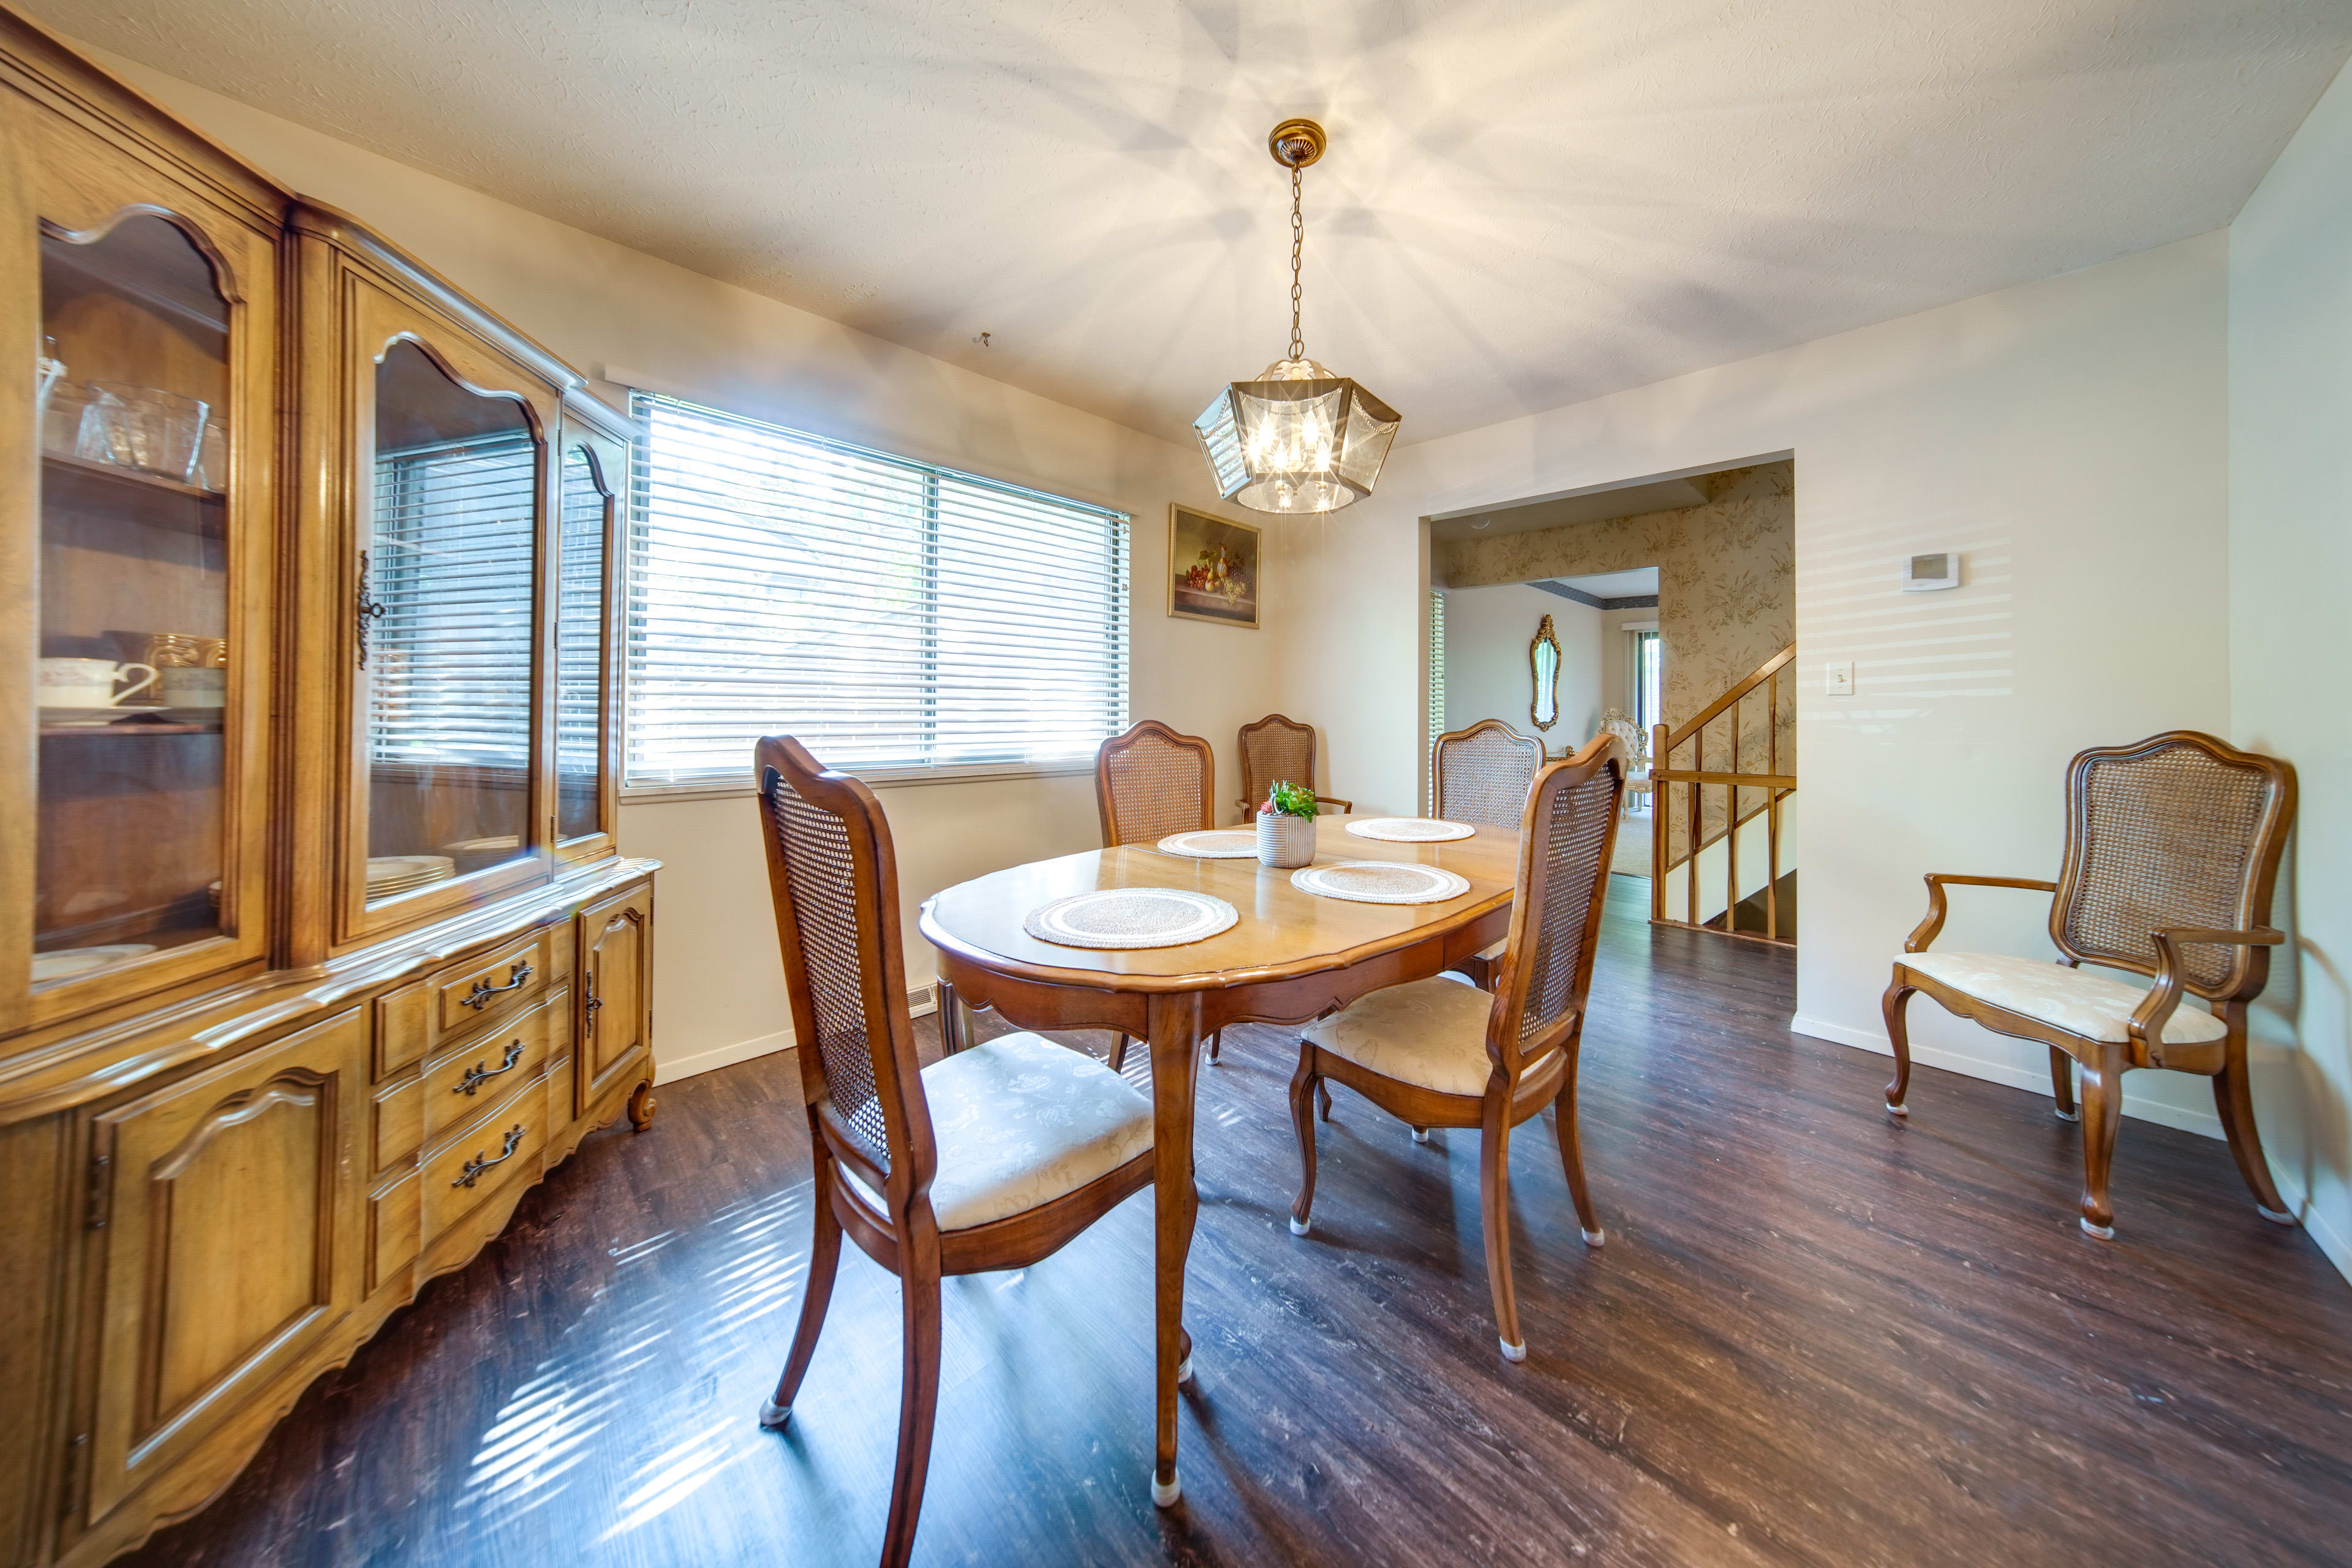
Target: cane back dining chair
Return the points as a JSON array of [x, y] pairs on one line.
[[1149, 783], [2172, 851], [1438, 1053], [1482, 775], [1276, 750], [990, 1158]]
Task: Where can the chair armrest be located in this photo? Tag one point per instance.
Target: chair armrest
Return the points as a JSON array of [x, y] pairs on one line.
[[1346, 808], [1925, 931], [2148, 1019]]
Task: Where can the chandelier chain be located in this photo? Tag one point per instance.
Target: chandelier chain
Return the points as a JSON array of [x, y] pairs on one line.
[[1297, 238]]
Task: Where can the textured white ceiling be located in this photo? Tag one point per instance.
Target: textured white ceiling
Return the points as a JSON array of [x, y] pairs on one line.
[[1526, 202]]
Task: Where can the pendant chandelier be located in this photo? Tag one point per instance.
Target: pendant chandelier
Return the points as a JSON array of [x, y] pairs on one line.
[[1298, 438]]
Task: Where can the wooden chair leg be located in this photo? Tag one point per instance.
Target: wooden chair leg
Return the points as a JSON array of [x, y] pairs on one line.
[[1305, 1084], [1572, 1154], [1890, 1007], [918, 1399], [2103, 1109], [1118, 1053], [816, 1295], [2062, 1085], [1215, 1041], [2233, 1100], [1323, 1097], [1495, 1211]]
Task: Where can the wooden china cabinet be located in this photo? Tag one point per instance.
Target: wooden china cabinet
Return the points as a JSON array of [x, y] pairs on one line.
[[316, 948]]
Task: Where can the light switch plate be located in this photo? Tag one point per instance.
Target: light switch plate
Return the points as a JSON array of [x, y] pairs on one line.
[[1841, 680]]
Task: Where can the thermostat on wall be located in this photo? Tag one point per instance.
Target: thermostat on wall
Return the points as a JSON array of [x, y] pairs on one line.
[[1925, 574]]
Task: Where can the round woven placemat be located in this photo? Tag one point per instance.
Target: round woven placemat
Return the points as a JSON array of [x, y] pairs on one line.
[[1213, 843], [1130, 917], [1381, 882], [1410, 830]]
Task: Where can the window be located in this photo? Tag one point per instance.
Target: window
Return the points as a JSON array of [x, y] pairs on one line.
[[1646, 678], [1436, 694], [891, 614]]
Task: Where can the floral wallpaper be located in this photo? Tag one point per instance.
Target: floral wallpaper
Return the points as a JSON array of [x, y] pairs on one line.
[[1726, 601]]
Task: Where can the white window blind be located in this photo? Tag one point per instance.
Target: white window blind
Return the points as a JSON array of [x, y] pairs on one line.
[[450, 561], [1436, 696], [891, 614]]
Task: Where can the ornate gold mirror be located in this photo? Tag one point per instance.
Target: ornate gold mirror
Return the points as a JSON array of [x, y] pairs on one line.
[[1543, 657]]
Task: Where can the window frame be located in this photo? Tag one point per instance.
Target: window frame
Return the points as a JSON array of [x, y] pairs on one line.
[[897, 776]]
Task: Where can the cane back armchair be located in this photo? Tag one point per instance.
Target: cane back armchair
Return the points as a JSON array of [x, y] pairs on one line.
[[990, 1158], [1482, 775], [1277, 750], [2172, 851], [1437, 1053]]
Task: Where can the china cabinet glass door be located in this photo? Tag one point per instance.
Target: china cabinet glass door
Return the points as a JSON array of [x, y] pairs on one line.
[[586, 504], [447, 629], [133, 678]]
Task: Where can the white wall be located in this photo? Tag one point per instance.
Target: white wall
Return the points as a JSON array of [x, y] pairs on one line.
[[2069, 435], [720, 986], [2290, 636], [1488, 676]]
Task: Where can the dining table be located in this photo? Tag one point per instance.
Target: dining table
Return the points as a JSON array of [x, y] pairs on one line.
[[1291, 957]]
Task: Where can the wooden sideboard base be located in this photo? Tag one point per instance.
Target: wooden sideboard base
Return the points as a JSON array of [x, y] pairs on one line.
[[196, 1486]]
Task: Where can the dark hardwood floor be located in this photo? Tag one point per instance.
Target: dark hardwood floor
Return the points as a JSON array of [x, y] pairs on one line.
[[1814, 1336]]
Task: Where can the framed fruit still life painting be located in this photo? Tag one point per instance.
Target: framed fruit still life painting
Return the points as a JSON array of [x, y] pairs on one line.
[[1212, 568]]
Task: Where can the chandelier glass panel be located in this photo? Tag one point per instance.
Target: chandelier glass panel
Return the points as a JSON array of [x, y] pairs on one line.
[[1298, 438]]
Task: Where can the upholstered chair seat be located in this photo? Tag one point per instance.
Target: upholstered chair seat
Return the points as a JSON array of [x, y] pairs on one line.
[[2089, 1005], [1020, 1122], [1429, 1033]]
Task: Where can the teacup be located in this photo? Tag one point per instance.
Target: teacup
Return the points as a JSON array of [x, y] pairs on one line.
[[90, 682], [191, 686]]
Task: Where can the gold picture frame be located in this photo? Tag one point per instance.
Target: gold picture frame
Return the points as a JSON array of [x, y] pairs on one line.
[[1212, 567]]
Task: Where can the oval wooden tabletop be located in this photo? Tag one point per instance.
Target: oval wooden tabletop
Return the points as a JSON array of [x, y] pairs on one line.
[[1282, 932]]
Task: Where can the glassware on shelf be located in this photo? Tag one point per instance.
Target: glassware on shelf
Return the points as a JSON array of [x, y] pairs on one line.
[[212, 461], [47, 370], [147, 428], [63, 418]]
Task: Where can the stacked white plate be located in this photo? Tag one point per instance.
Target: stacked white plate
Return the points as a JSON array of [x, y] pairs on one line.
[[472, 854], [388, 876]]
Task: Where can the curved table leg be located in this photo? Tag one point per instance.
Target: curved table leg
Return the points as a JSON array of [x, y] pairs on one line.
[[1175, 1024]]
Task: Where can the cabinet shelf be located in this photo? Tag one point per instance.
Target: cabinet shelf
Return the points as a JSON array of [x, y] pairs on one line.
[[135, 727], [78, 484]]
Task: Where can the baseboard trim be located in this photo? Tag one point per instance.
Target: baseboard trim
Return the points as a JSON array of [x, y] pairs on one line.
[[920, 1002], [2204, 1123]]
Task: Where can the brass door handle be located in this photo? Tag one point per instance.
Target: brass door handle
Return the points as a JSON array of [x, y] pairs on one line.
[[483, 990], [591, 1005], [480, 1162], [481, 1073]]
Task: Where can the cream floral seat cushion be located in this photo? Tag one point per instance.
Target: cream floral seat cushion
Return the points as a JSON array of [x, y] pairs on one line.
[[2090, 1006], [1020, 1121], [1430, 1033], [1493, 952]]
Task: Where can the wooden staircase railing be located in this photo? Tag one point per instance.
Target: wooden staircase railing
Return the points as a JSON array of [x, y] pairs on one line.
[[1697, 778]]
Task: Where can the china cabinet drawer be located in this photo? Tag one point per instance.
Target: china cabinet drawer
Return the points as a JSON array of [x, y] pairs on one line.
[[484, 1158], [466, 1082], [496, 987]]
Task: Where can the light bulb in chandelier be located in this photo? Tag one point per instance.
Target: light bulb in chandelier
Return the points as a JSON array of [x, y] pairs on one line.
[[1298, 438]]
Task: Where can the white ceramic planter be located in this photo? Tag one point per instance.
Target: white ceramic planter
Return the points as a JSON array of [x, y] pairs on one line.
[[1284, 843]]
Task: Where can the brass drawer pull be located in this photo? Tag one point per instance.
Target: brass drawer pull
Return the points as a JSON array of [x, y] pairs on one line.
[[481, 1073], [483, 990], [480, 1162]]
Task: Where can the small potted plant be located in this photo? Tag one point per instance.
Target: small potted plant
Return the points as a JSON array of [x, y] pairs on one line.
[[1286, 827]]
